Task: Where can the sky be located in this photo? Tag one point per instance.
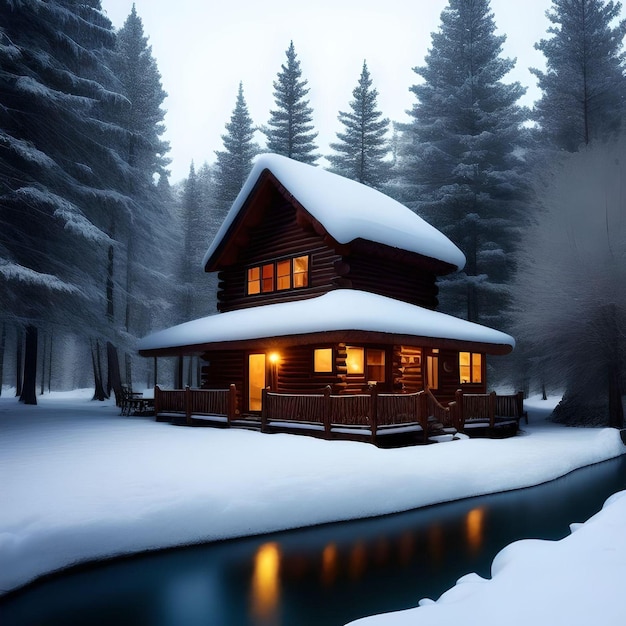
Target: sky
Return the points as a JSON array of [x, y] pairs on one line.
[[204, 48], [156, 494]]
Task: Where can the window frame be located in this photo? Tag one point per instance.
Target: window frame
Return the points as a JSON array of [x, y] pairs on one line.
[[472, 366], [264, 277]]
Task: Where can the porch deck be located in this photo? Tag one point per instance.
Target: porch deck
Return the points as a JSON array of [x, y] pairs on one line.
[[385, 420]]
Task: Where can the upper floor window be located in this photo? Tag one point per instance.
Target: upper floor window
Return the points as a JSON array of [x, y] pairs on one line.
[[278, 275], [470, 367]]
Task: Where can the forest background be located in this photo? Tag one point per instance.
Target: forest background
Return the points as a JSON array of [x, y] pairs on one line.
[[98, 249]]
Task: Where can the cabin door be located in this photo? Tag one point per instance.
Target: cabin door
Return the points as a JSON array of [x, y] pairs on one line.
[[256, 381]]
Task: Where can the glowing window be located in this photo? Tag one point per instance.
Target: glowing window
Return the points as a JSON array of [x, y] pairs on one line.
[[355, 360], [323, 360], [470, 367], [375, 365], [432, 370], [301, 271], [267, 281], [283, 275], [254, 280]]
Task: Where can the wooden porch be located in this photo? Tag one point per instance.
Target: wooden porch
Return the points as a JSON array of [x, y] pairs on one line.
[[383, 419]]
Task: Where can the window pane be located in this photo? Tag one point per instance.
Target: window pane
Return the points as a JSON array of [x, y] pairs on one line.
[[355, 360], [283, 274], [301, 271], [432, 371], [465, 367], [268, 277], [477, 370], [254, 280], [376, 365], [323, 360]]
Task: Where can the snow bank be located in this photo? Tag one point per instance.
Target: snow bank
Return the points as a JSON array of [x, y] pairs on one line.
[[576, 581], [80, 482]]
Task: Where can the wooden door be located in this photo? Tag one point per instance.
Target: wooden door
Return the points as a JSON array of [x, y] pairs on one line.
[[256, 381]]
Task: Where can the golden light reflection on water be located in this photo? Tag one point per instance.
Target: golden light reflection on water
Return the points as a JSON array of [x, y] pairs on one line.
[[474, 525], [330, 564], [358, 561], [266, 582]]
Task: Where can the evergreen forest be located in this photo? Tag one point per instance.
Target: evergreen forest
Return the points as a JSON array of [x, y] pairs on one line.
[[98, 248]]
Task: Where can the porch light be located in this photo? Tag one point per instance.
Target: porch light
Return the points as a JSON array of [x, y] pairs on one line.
[[274, 358]]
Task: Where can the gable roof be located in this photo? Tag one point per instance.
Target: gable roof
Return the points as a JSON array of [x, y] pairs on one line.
[[334, 313], [345, 209]]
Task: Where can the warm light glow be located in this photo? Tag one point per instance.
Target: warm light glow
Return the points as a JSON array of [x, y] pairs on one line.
[[355, 360], [266, 581], [470, 367], [274, 358], [330, 564], [474, 524], [323, 360], [358, 561]]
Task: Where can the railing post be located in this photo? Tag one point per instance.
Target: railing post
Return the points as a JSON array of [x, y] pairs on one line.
[[264, 412], [492, 409], [326, 411], [374, 411], [188, 405], [232, 403], [458, 398], [422, 409], [157, 401]]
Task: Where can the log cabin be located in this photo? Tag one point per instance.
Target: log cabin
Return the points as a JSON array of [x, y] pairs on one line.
[[326, 283]]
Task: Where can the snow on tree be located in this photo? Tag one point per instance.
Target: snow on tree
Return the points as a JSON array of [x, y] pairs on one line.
[[583, 87], [290, 128], [362, 147], [460, 162], [144, 150], [234, 162], [570, 310], [60, 172]]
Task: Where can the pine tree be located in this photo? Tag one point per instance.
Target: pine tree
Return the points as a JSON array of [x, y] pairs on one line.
[[583, 87], [60, 172], [459, 162], [362, 147], [290, 128], [235, 161], [145, 152]]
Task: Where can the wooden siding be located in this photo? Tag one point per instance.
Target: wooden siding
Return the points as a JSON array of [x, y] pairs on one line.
[[408, 368]]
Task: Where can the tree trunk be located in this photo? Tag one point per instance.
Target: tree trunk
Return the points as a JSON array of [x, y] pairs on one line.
[[3, 337], [50, 364], [98, 393], [18, 362], [114, 379], [616, 409], [43, 366], [29, 391]]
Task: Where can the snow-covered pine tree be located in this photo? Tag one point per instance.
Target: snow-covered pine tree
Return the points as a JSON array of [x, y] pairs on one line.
[[234, 162], [290, 128], [459, 160], [145, 151], [362, 147], [60, 173], [583, 87]]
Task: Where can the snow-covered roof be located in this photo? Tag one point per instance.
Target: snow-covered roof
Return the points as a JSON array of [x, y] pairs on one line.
[[339, 310], [347, 210]]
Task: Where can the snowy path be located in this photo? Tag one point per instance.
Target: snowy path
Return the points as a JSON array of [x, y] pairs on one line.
[[79, 482]]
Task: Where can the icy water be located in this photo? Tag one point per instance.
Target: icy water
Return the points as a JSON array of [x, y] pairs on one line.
[[324, 576]]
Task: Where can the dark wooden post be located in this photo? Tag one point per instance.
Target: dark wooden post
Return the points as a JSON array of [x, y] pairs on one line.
[[264, 412], [492, 409], [232, 403], [157, 401], [188, 405], [374, 411], [422, 413], [327, 411], [458, 398]]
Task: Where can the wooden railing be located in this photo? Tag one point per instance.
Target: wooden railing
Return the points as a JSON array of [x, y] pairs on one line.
[[190, 402], [445, 415], [369, 411], [488, 407]]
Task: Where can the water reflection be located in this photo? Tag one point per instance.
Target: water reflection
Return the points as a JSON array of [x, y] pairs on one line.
[[474, 524], [266, 583], [325, 576]]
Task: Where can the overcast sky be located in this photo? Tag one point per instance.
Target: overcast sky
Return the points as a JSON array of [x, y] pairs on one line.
[[204, 48]]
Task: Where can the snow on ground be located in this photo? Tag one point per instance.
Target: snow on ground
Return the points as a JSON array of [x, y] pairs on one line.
[[79, 482]]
